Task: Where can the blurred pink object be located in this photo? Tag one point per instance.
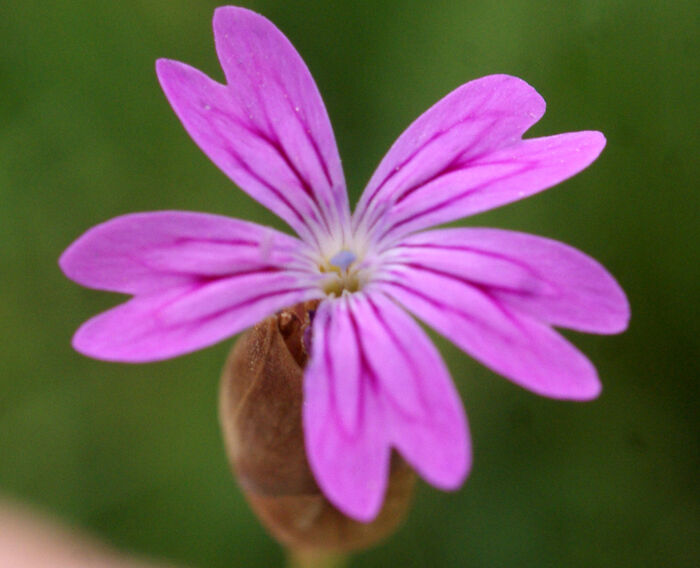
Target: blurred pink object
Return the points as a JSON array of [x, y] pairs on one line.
[[27, 540]]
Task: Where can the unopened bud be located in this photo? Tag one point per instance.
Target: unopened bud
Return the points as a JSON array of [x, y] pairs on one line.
[[260, 411]]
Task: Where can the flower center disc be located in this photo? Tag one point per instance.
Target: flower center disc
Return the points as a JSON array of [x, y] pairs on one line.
[[343, 276]]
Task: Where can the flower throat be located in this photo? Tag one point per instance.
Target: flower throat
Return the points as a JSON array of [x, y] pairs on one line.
[[343, 274]]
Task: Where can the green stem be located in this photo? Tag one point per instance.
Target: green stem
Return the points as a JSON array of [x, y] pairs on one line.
[[305, 558]]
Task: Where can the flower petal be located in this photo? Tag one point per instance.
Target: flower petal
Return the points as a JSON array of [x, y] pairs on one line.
[[198, 278], [546, 279], [183, 319], [372, 362], [268, 129], [513, 344], [146, 252], [425, 415], [465, 155], [350, 467]]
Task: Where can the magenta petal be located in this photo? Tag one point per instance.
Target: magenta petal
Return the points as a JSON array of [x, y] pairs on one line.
[[268, 129], [197, 279], [350, 467], [274, 85], [528, 352], [546, 279], [466, 155], [425, 415], [181, 320], [506, 175], [473, 120], [401, 395], [146, 252]]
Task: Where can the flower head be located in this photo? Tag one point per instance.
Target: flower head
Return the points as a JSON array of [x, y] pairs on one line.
[[374, 380]]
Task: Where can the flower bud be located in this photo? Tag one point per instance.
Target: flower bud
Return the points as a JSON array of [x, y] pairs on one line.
[[260, 412]]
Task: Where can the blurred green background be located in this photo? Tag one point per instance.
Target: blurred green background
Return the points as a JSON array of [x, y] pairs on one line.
[[133, 453]]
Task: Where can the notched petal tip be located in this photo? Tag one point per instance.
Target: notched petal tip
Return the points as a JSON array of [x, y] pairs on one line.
[[592, 142], [618, 308], [516, 92], [625, 316], [236, 19], [231, 23], [85, 343], [457, 471], [78, 255], [363, 509], [96, 343], [265, 126], [162, 63], [65, 261], [593, 392], [227, 14], [596, 388], [582, 389], [171, 75], [466, 154], [164, 66], [177, 79], [74, 257]]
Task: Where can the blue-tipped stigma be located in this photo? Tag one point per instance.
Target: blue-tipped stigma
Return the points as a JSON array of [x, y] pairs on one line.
[[343, 259]]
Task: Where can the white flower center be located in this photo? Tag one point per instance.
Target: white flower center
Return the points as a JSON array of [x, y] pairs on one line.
[[344, 271]]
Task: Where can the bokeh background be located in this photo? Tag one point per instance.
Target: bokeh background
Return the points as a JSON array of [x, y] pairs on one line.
[[133, 453]]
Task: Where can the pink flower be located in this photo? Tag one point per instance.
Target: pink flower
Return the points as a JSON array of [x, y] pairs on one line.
[[375, 381]]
